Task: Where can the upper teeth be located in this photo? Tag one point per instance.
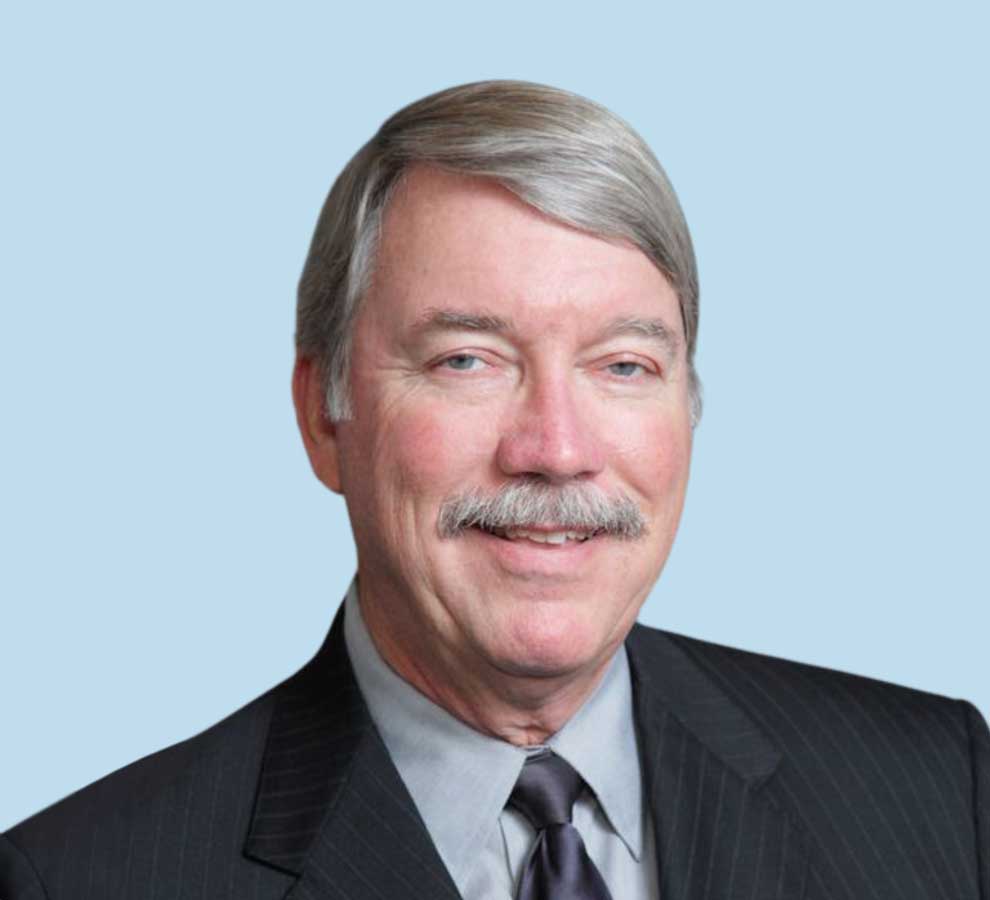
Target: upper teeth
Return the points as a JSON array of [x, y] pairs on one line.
[[544, 537]]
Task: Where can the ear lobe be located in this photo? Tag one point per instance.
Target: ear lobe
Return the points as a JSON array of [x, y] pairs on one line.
[[319, 434]]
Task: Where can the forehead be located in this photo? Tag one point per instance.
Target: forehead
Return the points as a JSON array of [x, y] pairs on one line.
[[454, 238]]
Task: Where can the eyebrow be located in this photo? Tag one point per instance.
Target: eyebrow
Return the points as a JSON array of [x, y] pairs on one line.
[[655, 329], [441, 320], [454, 320]]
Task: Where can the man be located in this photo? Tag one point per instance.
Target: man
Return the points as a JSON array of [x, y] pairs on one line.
[[497, 322]]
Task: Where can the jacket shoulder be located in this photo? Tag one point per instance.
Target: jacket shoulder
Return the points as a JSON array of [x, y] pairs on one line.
[[797, 701], [204, 784], [864, 763]]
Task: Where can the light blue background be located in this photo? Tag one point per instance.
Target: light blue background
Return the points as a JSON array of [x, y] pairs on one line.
[[167, 554]]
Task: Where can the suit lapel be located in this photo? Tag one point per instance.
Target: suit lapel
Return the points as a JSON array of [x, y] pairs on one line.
[[331, 807], [706, 767], [374, 843]]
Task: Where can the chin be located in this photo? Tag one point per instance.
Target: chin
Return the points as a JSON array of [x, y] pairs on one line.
[[540, 668], [550, 647]]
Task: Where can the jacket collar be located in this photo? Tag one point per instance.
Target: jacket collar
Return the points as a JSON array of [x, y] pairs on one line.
[[666, 675], [332, 809], [319, 722], [708, 771], [331, 806]]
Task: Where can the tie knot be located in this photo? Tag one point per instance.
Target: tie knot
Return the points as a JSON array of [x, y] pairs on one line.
[[546, 790]]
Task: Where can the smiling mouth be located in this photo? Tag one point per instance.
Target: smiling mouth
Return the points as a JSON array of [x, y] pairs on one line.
[[540, 535]]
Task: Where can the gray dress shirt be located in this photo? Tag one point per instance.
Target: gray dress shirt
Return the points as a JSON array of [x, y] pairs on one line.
[[460, 779]]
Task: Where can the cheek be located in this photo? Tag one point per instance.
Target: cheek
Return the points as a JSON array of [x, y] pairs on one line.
[[433, 453], [653, 463], [654, 454]]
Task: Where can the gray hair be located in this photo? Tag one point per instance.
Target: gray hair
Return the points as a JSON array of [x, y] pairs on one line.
[[529, 501], [569, 158]]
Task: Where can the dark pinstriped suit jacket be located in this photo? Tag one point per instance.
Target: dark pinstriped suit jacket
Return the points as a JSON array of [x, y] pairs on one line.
[[767, 779]]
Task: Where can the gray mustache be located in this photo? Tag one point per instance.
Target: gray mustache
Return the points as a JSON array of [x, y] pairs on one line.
[[530, 502]]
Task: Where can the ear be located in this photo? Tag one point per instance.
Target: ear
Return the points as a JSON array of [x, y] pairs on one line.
[[319, 434]]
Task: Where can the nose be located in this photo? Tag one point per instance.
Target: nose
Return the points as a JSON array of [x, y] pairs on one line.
[[551, 434]]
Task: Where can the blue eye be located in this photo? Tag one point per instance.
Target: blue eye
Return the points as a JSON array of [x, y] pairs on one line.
[[461, 362], [625, 369]]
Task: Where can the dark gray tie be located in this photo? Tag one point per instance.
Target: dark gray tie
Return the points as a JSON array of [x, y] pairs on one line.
[[558, 867]]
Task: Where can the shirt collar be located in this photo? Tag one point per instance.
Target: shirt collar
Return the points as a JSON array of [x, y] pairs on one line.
[[442, 760], [599, 741]]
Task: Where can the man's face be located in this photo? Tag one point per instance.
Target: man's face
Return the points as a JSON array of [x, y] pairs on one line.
[[497, 347]]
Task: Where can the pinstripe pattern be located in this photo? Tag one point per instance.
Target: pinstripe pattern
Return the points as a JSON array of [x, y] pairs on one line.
[[169, 826], [889, 785], [719, 833], [324, 753], [768, 780]]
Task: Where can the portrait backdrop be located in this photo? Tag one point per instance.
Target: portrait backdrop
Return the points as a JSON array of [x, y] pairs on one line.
[[167, 553]]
